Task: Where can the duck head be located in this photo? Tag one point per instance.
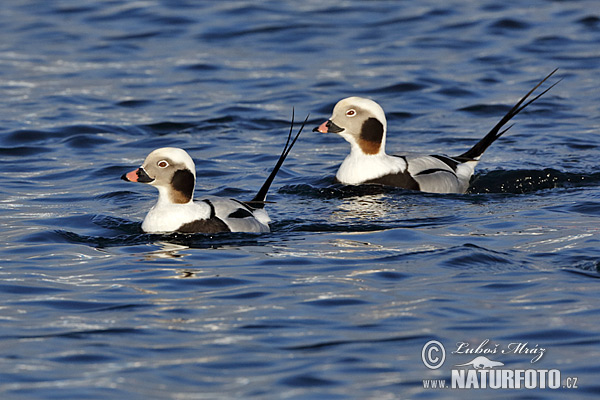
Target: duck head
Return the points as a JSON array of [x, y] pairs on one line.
[[171, 170], [361, 122]]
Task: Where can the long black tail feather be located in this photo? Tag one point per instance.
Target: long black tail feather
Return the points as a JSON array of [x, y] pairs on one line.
[[259, 200], [476, 151]]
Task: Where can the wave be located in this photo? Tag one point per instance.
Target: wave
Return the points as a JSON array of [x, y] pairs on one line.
[[518, 181], [522, 181]]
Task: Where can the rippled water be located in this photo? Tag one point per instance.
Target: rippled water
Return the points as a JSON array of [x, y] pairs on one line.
[[340, 298]]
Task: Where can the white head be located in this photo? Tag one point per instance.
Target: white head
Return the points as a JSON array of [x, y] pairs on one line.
[[171, 171], [361, 122]]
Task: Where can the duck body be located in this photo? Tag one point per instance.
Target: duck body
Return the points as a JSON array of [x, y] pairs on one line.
[[208, 214], [433, 174], [172, 171], [362, 123]]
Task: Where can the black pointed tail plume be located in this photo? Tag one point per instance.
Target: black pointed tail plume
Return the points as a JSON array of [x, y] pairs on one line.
[[259, 200], [476, 151]]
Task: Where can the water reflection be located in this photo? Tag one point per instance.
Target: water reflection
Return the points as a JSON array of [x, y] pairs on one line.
[[366, 208], [166, 250]]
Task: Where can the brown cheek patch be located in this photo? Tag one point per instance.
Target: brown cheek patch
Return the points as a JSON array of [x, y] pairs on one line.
[[369, 147], [183, 186], [178, 197], [371, 135]]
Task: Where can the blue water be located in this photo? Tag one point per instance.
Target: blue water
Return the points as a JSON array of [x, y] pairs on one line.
[[339, 299]]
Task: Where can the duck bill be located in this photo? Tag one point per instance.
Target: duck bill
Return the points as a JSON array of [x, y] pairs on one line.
[[137, 175], [328, 126]]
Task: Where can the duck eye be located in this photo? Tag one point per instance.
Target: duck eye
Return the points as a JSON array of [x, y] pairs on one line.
[[162, 164], [350, 113]]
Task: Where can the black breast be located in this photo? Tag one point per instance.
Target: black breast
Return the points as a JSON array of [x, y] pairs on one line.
[[401, 179], [212, 224]]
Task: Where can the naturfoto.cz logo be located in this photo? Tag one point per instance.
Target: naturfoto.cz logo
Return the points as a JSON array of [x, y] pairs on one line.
[[483, 370]]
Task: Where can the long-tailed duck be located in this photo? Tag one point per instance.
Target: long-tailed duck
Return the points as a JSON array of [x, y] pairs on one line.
[[173, 172], [362, 123]]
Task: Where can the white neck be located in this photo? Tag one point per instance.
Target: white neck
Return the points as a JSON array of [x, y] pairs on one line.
[[359, 167], [166, 216]]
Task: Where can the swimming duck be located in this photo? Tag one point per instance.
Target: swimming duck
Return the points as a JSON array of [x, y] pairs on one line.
[[363, 124], [172, 171]]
